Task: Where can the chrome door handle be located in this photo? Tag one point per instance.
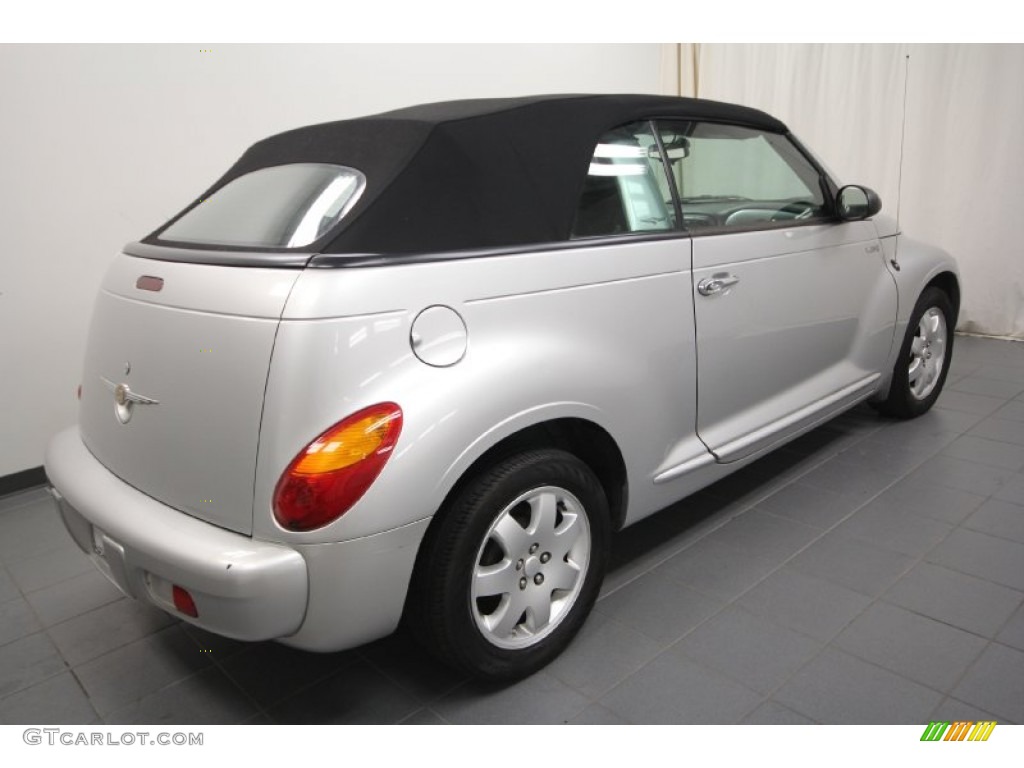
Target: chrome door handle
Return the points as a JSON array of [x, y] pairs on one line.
[[715, 284]]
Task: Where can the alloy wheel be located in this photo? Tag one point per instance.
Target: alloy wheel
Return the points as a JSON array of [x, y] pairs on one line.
[[927, 353], [530, 567]]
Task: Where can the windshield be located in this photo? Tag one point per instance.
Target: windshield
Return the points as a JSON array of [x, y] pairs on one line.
[[285, 206]]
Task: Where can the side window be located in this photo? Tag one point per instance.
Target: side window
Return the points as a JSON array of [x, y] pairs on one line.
[[730, 176], [626, 189]]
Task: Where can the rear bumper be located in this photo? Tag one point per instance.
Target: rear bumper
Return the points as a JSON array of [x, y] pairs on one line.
[[246, 589]]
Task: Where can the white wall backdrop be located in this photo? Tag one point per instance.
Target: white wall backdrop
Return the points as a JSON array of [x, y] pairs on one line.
[[962, 168], [99, 144]]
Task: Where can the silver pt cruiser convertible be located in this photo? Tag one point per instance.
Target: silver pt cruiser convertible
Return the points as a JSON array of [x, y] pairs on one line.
[[422, 365]]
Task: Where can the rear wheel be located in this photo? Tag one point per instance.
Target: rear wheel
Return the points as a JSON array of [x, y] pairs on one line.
[[924, 358], [514, 565]]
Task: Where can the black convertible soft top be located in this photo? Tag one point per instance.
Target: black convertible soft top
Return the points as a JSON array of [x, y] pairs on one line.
[[470, 174]]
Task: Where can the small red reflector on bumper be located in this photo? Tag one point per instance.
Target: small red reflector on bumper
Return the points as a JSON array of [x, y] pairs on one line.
[[183, 601]]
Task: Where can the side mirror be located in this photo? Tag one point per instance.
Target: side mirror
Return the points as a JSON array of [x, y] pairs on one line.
[[854, 203]]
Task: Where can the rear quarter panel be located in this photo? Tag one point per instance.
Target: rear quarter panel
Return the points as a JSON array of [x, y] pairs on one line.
[[603, 334]]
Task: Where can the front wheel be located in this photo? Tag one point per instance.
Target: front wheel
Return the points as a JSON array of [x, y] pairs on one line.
[[514, 565], [924, 358]]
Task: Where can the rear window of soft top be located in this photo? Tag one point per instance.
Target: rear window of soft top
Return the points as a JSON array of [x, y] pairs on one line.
[[283, 206]]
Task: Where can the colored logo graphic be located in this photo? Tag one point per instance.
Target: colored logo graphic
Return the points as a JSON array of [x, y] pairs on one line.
[[962, 730]]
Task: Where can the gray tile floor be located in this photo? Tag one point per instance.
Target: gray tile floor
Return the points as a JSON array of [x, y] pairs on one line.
[[871, 572]]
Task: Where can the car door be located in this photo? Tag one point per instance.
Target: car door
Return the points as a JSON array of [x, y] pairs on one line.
[[794, 310]]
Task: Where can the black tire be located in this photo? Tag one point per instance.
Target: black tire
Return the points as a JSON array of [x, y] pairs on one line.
[[463, 546], [902, 402]]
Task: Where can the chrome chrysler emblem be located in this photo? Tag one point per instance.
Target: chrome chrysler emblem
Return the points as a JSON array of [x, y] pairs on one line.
[[125, 400]]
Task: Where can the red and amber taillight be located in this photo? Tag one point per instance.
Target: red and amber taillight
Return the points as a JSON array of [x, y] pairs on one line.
[[333, 472]]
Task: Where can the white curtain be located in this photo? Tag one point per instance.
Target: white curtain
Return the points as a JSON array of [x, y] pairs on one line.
[[936, 130]]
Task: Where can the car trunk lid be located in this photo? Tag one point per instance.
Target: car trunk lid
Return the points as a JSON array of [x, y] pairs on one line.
[[175, 373]]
